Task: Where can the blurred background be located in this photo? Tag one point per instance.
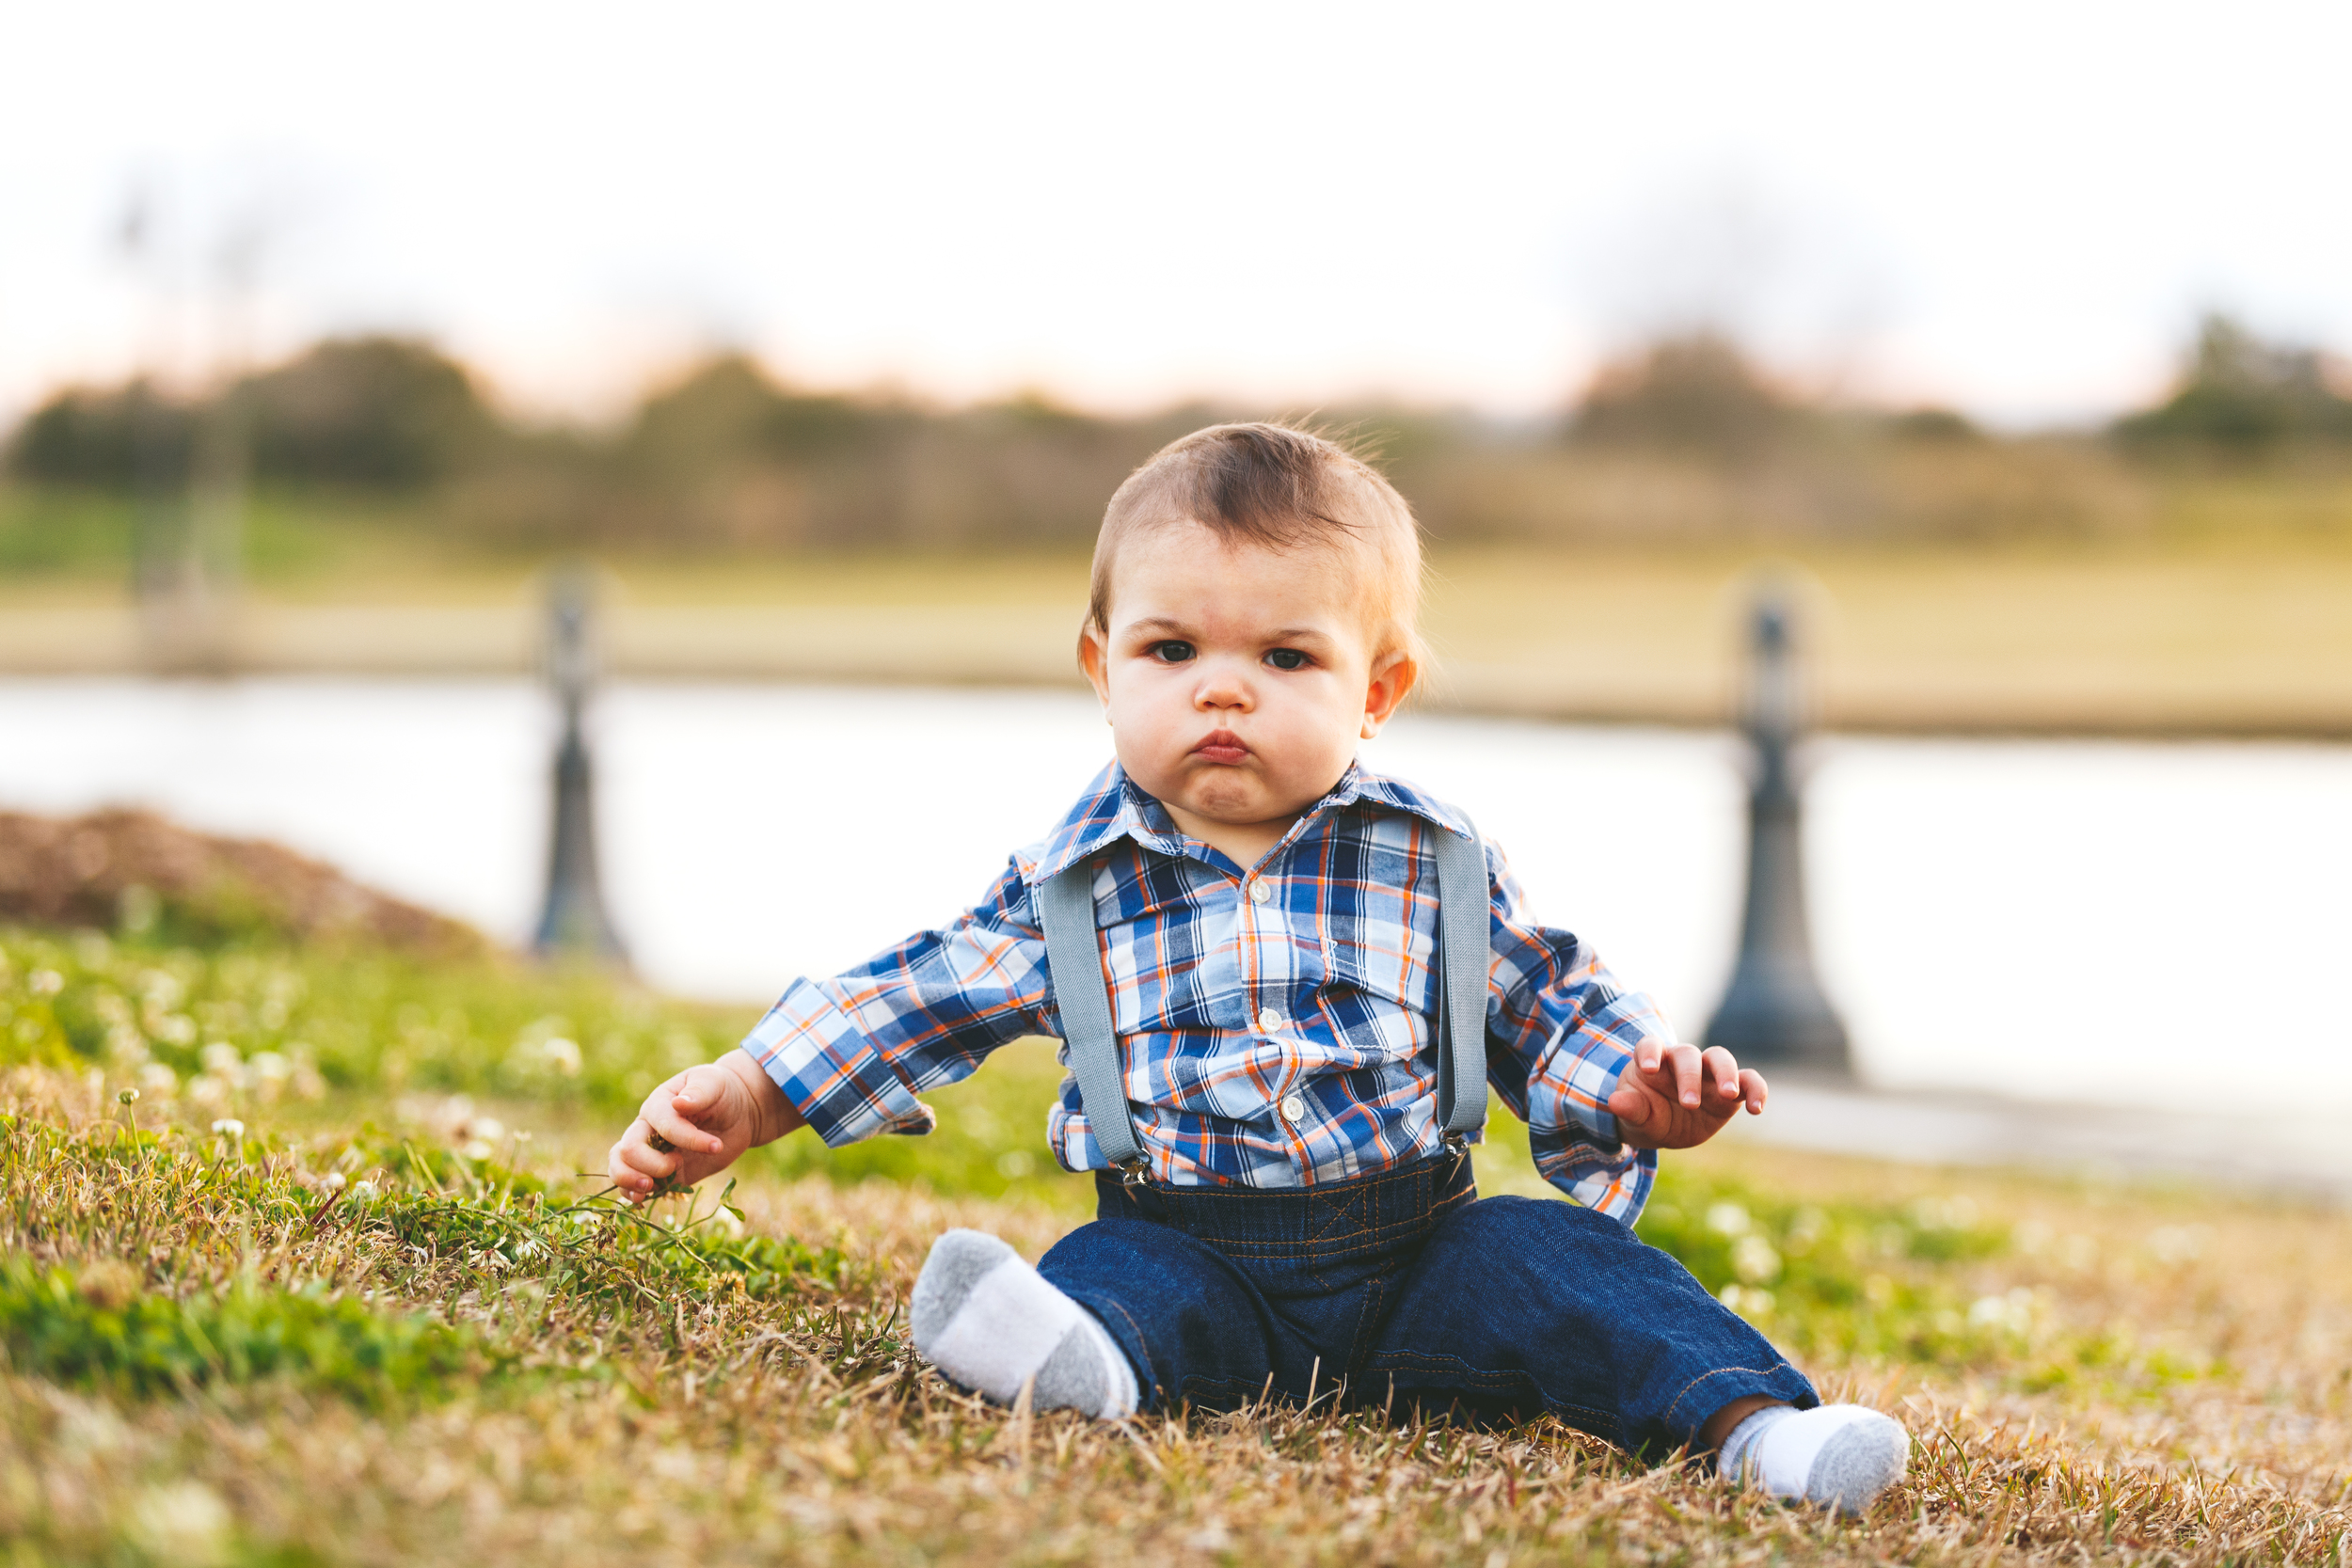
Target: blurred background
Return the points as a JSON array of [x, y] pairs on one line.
[[2003, 339]]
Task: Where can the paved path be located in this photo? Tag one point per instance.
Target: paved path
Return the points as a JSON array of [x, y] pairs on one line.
[[2311, 1157]]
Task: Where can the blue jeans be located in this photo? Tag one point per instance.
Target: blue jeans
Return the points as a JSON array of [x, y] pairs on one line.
[[1406, 1290]]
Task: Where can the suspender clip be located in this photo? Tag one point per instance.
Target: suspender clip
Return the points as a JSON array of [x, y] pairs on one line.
[[1134, 1173]]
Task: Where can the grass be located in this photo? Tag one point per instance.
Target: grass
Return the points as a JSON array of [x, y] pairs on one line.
[[2226, 610], [333, 1291]]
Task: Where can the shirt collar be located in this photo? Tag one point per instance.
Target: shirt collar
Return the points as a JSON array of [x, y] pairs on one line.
[[1113, 808]]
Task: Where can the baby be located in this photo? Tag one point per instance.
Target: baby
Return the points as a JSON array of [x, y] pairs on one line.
[[1283, 984]]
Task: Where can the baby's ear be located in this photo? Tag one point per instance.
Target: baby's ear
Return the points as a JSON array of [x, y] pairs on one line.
[[1394, 676], [1094, 659]]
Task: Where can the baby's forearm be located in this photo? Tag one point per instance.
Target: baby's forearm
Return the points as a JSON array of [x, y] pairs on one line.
[[773, 1114]]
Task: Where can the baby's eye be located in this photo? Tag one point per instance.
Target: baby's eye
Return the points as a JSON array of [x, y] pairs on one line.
[[1171, 652], [1287, 659]]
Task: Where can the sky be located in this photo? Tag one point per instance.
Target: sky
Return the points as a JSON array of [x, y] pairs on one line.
[[2015, 209]]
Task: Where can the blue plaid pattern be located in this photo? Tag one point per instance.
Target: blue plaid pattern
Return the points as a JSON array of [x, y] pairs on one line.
[[1227, 1004]]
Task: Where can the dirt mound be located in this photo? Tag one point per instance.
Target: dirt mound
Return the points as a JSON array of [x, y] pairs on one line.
[[133, 872]]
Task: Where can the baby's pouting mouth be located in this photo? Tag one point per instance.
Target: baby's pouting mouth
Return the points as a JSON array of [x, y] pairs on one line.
[[1220, 746]]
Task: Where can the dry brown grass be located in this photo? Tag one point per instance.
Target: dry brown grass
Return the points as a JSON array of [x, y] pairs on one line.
[[133, 868], [705, 1424]]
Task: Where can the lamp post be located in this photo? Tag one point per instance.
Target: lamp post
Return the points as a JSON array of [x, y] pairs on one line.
[[573, 922], [1773, 1012]]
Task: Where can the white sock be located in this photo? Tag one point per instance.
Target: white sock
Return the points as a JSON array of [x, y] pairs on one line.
[[1841, 1456], [991, 1322]]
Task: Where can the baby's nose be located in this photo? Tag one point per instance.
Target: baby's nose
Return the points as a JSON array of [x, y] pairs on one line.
[[1222, 691]]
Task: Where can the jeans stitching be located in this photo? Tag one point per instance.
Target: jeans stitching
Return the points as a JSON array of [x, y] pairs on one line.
[[1368, 1322], [1151, 1373], [1684, 1393], [1202, 1383]]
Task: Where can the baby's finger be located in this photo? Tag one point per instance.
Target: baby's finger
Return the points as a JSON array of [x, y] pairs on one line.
[[695, 1090], [632, 1181], [661, 1118], [1754, 1091], [1686, 1064], [1631, 1106], [1725, 1069], [642, 1157]]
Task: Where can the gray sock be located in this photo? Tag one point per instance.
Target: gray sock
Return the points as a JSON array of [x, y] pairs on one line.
[[993, 1324], [1859, 1462], [1841, 1456]]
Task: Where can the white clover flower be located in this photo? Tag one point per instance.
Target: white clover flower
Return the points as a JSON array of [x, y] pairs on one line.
[[230, 1127], [2011, 1312], [563, 1053], [1727, 1219], [334, 1181], [183, 1522], [1754, 1261], [364, 1192]]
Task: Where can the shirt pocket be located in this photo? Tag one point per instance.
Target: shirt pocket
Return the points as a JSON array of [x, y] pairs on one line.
[[1380, 993], [1173, 958]]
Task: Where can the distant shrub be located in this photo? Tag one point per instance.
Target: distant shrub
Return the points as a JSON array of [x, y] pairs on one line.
[[375, 412], [389, 413], [107, 438], [1935, 426], [2240, 395], [1697, 394]]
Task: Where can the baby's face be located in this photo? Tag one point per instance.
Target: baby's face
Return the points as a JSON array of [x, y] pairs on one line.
[[1238, 680]]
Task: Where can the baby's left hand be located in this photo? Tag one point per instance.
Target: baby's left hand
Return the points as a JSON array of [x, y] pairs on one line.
[[1675, 1097]]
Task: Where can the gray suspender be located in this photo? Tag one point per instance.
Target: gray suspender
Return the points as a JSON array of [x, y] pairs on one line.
[[1065, 905], [1074, 952], [1464, 949]]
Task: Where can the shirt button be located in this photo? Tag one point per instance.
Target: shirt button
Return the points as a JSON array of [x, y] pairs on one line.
[[1270, 1021], [1293, 1107], [1259, 891]]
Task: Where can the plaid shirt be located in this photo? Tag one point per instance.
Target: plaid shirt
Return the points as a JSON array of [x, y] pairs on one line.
[[1275, 1027]]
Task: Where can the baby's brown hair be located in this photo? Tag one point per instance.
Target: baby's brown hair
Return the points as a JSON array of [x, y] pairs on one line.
[[1277, 488]]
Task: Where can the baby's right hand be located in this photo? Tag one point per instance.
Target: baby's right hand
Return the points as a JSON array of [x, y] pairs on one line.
[[697, 1124]]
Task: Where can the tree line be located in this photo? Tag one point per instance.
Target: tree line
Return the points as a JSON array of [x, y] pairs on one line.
[[1685, 438]]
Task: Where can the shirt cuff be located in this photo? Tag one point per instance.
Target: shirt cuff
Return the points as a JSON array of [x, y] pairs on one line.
[[1571, 1092], [831, 1071], [1616, 1185]]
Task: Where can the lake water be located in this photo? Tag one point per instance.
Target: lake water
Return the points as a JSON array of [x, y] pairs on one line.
[[2143, 924]]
